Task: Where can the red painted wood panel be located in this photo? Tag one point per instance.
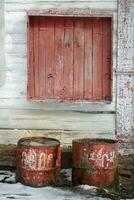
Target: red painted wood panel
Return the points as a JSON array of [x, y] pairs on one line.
[[97, 59], [31, 80], [69, 59], [49, 79], [78, 58], [106, 59], [42, 57], [59, 59], [88, 68], [36, 58]]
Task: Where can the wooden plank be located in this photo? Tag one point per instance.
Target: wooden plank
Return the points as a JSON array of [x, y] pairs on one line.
[[21, 6], [59, 58], [49, 58], [42, 57], [22, 103], [31, 80], [107, 59], [68, 59], [97, 59], [88, 68], [78, 58], [36, 57], [11, 136], [58, 120]]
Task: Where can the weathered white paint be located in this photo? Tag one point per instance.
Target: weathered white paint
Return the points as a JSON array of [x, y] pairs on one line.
[[18, 112], [58, 120], [37, 161], [125, 75], [2, 59], [65, 137], [103, 158]]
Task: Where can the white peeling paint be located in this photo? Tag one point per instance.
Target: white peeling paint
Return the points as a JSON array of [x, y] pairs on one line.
[[102, 158], [32, 160]]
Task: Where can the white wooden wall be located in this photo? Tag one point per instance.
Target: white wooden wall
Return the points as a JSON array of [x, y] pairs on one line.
[[17, 113], [2, 68]]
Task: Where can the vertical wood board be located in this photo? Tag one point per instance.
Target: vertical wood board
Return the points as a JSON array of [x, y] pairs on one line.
[[71, 59]]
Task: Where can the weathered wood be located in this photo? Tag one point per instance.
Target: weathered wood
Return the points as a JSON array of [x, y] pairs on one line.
[[64, 66], [125, 83], [65, 137], [97, 59], [60, 120], [2, 56], [49, 55], [8, 102], [88, 65], [106, 60], [59, 59], [23, 6], [78, 58], [68, 59], [13, 93]]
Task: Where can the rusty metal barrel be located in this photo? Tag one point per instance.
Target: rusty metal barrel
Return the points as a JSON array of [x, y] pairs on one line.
[[94, 161], [38, 161]]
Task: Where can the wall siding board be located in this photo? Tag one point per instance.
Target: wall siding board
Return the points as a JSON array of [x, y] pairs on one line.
[[65, 137], [49, 4], [60, 120], [2, 30], [13, 92]]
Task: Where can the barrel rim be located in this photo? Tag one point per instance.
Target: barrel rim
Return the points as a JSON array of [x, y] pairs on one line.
[[21, 140], [95, 141]]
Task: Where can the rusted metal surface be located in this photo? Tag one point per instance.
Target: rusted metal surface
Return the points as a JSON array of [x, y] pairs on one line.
[[94, 162], [38, 161], [72, 58]]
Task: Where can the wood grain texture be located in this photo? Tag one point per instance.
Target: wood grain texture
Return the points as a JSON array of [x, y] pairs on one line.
[[65, 137], [42, 57], [76, 56], [60, 120], [68, 59], [31, 84], [106, 60], [59, 58], [97, 59], [88, 65], [13, 92], [50, 59]]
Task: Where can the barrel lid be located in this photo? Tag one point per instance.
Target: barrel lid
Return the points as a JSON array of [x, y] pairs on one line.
[[95, 141], [38, 142]]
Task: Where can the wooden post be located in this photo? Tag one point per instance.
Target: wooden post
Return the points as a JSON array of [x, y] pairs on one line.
[[125, 93], [125, 68]]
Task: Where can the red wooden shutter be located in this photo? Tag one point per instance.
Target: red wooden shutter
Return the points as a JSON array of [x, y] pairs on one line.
[[69, 58]]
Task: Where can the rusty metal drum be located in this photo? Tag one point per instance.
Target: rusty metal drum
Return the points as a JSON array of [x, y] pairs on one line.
[[94, 162], [38, 161]]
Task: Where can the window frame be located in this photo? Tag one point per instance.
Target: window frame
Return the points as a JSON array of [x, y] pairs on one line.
[[79, 12]]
